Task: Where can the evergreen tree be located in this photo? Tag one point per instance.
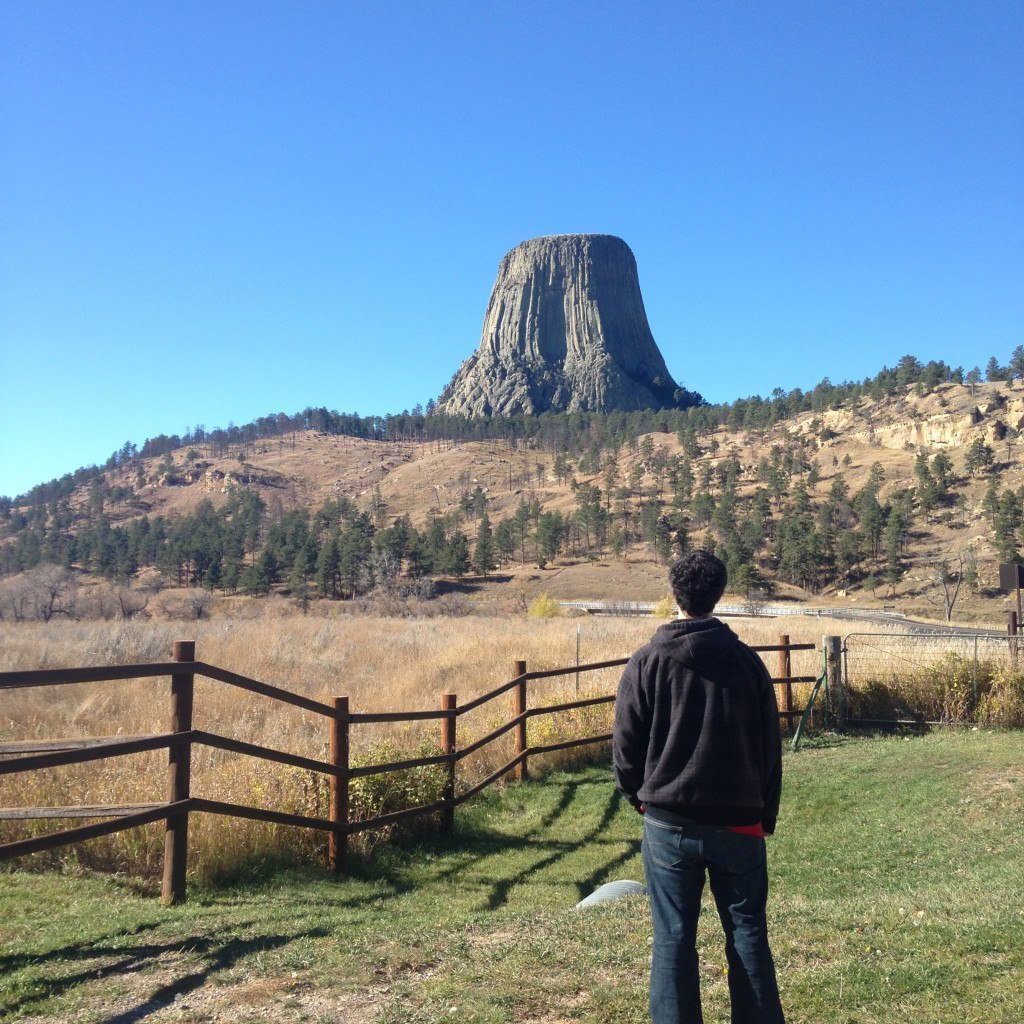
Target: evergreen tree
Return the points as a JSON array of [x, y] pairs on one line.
[[253, 581], [926, 489], [550, 529], [797, 541], [979, 457], [433, 546], [455, 560], [213, 577], [683, 485], [942, 474], [521, 523], [354, 554], [1016, 368], [505, 542], [1007, 522], [328, 563], [483, 553]]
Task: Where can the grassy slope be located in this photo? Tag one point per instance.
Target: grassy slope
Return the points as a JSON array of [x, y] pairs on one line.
[[896, 873]]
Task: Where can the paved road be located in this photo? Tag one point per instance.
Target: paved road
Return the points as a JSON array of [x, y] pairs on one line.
[[879, 618]]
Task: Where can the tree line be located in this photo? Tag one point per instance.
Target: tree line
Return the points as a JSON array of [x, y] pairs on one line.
[[574, 432], [764, 520]]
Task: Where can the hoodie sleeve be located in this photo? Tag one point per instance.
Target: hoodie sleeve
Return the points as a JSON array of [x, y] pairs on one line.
[[631, 733], [772, 746]]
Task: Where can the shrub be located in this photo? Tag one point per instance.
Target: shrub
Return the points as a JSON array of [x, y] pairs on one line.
[[1003, 702], [950, 689], [373, 795], [544, 607]]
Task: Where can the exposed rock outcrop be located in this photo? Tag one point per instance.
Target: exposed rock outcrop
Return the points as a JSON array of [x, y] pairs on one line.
[[565, 331]]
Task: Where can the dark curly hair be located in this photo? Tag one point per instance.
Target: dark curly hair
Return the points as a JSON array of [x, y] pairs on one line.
[[698, 582]]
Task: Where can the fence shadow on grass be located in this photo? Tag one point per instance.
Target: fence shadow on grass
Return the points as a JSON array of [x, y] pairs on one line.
[[110, 957], [479, 857], [218, 956], [74, 951], [575, 833]]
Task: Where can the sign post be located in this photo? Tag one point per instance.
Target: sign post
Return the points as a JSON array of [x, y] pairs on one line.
[[1011, 577]]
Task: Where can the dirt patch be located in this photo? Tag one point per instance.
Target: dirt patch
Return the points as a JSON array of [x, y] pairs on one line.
[[1002, 782], [150, 996]]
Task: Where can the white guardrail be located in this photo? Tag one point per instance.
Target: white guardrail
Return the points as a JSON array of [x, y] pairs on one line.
[[751, 608]]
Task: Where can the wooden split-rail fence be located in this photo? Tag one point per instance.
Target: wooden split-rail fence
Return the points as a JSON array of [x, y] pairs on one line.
[[36, 755]]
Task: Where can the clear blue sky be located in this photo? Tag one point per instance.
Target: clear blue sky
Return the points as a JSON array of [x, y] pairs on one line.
[[214, 211]]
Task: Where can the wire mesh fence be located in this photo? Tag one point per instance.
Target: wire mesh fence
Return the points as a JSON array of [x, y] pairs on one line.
[[935, 678]]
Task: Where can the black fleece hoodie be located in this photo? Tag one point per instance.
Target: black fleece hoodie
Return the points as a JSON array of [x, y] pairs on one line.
[[697, 727]]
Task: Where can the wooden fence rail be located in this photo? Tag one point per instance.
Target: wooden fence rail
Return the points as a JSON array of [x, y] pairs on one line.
[[35, 755]]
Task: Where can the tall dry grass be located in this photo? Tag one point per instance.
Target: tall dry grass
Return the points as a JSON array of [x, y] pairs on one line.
[[380, 664]]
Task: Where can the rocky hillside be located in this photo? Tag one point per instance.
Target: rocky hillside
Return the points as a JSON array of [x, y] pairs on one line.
[[865, 502]]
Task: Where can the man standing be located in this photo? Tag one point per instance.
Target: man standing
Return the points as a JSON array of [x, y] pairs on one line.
[[697, 751]]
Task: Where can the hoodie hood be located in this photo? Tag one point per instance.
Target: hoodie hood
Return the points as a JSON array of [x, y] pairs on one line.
[[683, 639]]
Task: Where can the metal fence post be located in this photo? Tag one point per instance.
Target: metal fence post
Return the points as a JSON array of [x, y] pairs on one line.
[[337, 841], [519, 708], [785, 670], [834, 668], [179, 767], [448, 726], [974, 677]]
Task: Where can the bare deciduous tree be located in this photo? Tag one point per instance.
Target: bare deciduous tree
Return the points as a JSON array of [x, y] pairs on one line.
[[54, 591], [41, 594], [191, 605], [942, 579], [197, 603], [15, 600]]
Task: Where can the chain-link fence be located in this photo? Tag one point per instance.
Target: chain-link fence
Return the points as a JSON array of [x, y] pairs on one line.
[[935, 678]]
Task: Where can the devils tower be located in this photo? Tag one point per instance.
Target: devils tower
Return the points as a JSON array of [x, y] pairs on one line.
[[565, 331]]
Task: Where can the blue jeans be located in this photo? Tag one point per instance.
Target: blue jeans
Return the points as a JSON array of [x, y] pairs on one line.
[[675, 860]]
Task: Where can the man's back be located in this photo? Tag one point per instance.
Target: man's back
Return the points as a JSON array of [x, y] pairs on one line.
[[696, 727]]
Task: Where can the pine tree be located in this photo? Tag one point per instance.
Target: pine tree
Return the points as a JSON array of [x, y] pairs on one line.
[[979, 458], [1007, 522], [253, 580], [483, 553], [926, 490], [456, 561], [550, 528], [327, 564], [1016, 367], [990, 502], [505, 539], [942, 474]]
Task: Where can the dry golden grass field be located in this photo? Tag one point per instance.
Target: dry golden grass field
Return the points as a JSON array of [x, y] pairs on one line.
[[385, 664], [381, 664]]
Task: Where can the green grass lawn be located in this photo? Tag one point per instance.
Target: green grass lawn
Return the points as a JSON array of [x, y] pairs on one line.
[[897, 872]]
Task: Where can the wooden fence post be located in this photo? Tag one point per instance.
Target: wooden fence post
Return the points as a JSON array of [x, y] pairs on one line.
[[518, 708], [448, 723], [836, 685], [337, 841], [785, 670], [179, 777]]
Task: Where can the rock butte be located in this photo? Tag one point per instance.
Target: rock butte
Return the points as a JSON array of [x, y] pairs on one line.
[[565, 331]]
